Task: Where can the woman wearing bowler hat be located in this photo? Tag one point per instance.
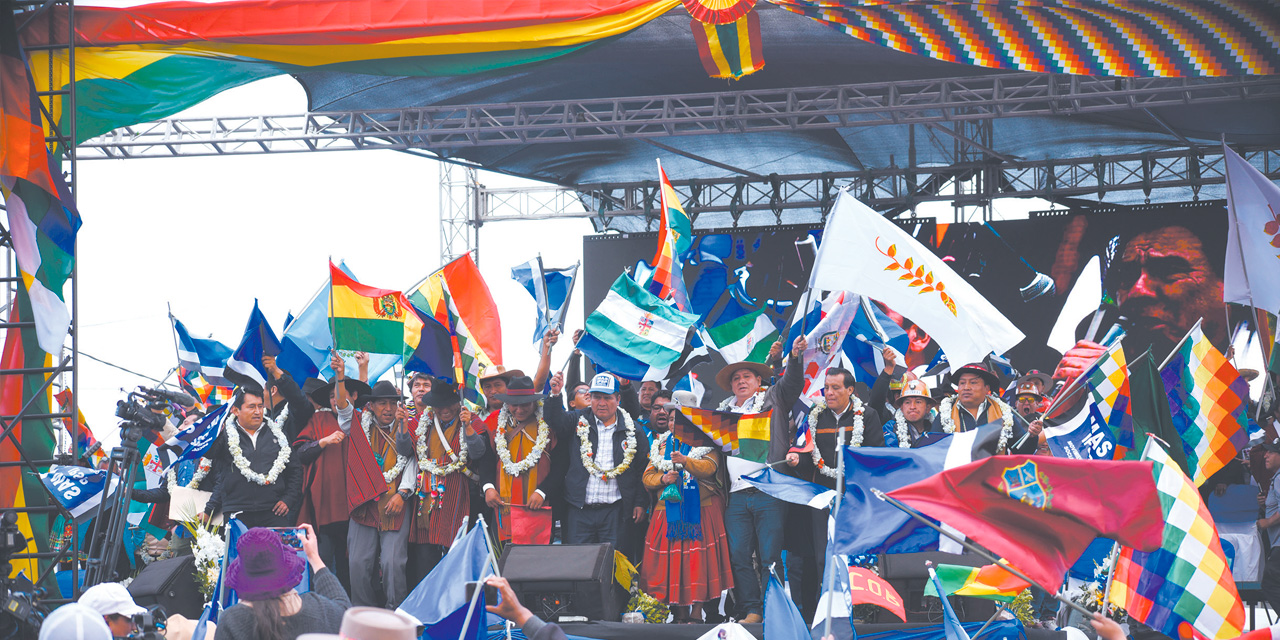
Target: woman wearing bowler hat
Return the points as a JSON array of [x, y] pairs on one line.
[[264, 576]]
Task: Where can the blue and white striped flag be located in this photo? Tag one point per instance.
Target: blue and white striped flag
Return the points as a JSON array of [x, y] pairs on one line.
[[551, 290], [633, 331], [245, 364], [789, 489], [209, 357]]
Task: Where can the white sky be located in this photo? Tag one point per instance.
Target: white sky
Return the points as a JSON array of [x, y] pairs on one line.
[[208, 235]]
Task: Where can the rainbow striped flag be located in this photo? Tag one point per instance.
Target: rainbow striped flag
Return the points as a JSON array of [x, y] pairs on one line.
[[457, 297], [1208, 401], [991, 581], [1185, 588], [745, 435], [85, 440], [674, 238], [731, 51], [364, 318]]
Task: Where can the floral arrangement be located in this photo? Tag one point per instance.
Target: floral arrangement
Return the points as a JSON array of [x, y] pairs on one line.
[[209, 549]]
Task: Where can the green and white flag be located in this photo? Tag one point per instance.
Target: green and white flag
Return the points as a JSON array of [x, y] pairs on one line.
[[746, 337], [639, 324]]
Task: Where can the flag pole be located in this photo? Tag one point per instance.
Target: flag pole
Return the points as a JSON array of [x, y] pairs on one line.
[[1179, 345], [835, 509], [979, 551], [1003, 606]]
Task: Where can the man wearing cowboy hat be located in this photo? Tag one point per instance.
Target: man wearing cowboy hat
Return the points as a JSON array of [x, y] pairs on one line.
[[916, 406], [974, 406], [379, 485], [445, 441], [494, 383], [531, 472], [324, 462], [753, 519], [606, 458]]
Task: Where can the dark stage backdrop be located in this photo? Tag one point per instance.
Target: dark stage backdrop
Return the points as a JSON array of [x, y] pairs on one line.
[[1150, 259]]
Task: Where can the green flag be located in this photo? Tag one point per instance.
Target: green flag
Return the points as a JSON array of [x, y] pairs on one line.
[[1151, 411]]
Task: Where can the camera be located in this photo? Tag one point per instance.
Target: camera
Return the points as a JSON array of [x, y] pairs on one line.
[[19, 600], [149, 625]]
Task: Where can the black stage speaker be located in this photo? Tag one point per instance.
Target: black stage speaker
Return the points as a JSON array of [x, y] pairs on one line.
[[908, 575], [556, 580], [171, 584]]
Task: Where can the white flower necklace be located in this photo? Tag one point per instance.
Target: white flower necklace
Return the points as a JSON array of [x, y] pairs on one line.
[[900, 423], [660, 462], [504, 452], [201, 471], [1006, 419], [366, 421], [457, 461], [753, 405], [237, 454], [588, 456], [855, 436]]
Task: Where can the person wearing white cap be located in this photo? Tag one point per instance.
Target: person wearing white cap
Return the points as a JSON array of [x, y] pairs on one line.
[[113, 602], [74, 621]]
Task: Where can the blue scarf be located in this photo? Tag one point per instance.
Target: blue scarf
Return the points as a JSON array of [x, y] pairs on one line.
[[684, 518]]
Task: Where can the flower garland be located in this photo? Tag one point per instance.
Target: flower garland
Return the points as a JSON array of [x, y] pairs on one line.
[[201, 471], [900, 429], [588, 456], [1006, 419], [242, 463], [366, 421], [855, 437], [660, 462], [457, 462], [753, 406], [504, 453]]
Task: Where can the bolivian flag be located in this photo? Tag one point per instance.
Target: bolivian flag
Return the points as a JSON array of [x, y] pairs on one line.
[[745, 435], [992, 582], [364, 318]]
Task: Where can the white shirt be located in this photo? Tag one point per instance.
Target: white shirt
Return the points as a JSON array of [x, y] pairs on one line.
[[737, 466], [603, 491], [253, 437]]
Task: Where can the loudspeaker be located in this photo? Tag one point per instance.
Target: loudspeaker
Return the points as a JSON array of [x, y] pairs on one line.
[[566, 580], [908, 575], [171, 584]]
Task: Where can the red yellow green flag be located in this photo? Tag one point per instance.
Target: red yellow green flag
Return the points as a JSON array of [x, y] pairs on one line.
[[745, 435], [991, 581], [364, 318]]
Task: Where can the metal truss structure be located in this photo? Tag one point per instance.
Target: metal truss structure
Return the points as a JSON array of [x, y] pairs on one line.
[[64, 372], [959, 109]]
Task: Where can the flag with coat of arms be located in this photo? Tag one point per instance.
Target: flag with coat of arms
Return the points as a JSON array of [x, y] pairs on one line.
[[826, 339]]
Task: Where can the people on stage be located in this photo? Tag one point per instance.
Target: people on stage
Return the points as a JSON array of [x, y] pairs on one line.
[[258, 475], [912, 421], [974, 406], [529, 469]]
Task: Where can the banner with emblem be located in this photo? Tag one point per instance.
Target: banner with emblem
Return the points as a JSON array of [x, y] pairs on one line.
[[364, 318], [78, 489], [639, 325], [826, 339]]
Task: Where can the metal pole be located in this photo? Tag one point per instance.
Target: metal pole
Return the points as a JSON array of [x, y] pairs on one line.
[[978, 550], [835, 508], [1001, 609]]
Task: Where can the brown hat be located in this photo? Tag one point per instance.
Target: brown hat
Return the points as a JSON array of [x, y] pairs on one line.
[[1028, 388], [1039, 376], [500, 371], [914, 388], [763, 370]]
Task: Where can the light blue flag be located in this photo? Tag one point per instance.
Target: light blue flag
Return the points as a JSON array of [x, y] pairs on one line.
[[443, 591], [789, 489], [950, 623], [551, 290], [782, 620], [309, 336], [470, 614]]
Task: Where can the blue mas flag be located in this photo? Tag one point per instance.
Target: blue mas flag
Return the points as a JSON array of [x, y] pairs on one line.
[[867, 524], [193, 442], [245, 365], [551, 290], [209, 357], [782, 620], [443, 591], [470, 614]]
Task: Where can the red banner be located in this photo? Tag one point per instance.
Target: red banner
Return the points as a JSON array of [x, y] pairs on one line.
[[865, 587]]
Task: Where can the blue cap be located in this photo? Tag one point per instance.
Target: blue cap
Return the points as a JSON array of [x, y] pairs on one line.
[[604, 383]]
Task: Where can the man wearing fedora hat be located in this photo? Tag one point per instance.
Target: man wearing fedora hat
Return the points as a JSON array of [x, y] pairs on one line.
[[324, 483], [379, 485], [527, 470], [974, 406], [754, 519], [447, 445], [912, 415], [606, 460]]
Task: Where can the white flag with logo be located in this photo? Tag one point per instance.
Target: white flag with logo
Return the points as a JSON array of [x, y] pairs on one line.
[[864, 253], [825, 340], [1252, 276]]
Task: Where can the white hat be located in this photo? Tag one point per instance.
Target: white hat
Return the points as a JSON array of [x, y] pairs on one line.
[[75, 621], [110, 597], [685, 398], [604, 383]]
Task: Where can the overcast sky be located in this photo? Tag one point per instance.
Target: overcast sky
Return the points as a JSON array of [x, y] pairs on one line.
[[208, 235]]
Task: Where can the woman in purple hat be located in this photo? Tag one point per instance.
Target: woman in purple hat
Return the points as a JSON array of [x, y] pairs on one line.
[[264, 575]]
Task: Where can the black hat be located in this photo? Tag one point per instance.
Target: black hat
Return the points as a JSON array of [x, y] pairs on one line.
[[442, 394], [1272, 445], [311, 384], [320, 395], [978, 369], [383, 390], [519, 391]]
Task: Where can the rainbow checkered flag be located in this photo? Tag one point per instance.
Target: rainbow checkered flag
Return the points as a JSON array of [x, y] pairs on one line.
[[1185, 588], [745, 435], [1207, 400]]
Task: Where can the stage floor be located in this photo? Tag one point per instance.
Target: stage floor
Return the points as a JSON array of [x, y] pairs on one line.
[[623, 631]]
